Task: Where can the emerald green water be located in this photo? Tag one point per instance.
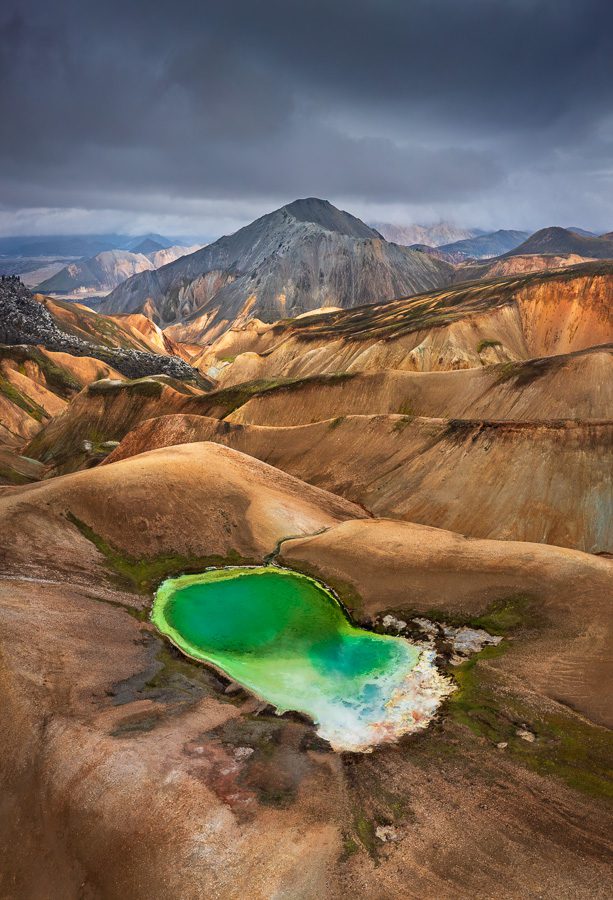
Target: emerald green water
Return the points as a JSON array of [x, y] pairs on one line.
[[285, 637]]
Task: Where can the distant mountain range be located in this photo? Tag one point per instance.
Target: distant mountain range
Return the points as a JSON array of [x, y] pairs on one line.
[[484, 246], [566, 241], [303, 256], [77, 245], [106, 270], [428, 235]]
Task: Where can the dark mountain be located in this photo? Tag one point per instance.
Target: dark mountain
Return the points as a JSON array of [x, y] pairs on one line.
[[151, 241], [303, 256], [485, 246], [564, 241], [148, 245]]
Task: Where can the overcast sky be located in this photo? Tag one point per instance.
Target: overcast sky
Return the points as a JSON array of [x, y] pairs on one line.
[[193, 117]]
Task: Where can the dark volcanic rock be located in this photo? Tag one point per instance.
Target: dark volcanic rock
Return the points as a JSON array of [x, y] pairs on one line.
[[23, 320]]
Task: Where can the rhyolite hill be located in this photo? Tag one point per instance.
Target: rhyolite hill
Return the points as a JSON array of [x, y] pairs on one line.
[[303, 256]]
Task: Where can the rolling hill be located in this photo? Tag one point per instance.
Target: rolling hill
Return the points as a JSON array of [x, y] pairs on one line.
[[507, 319], [442, 463]]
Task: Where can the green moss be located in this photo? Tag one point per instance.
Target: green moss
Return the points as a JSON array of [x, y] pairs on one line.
[[526, 372], [502, 617], [57, 379], [365, 832], [508, 614], [566, 746], [142, 387], [9, 475], [143, 575], [230, 399], [483, 345], [349, 848], [401, 424], [15, 396], [406, 408], [334, 423]]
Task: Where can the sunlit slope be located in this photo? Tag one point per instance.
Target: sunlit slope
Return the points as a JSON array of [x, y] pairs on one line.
[[36, 385], [570, 386], [575, 386], [547, 482], [469, 325]]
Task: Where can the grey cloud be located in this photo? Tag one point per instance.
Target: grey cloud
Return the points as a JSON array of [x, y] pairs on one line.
[[461, 106]]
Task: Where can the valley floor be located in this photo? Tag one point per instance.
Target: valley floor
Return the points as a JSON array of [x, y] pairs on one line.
[[447, 458]]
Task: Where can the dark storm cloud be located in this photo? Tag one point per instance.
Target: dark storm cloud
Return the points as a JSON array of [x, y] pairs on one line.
[[429, 105]]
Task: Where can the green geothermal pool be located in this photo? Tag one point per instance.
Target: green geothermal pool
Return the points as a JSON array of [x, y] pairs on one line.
[[286, 638]]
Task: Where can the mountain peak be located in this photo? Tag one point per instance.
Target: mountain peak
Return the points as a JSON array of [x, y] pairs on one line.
[[323, 213], [148, 245]]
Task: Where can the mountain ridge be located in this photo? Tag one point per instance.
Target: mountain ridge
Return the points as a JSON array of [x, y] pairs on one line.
[[300, 257]]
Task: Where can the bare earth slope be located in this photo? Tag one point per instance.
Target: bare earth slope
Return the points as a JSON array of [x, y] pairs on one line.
[[550, 482], [571, 386], [513, 318], [131, 772]]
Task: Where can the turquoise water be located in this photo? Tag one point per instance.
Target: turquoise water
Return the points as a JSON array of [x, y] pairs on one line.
[[286, 638]]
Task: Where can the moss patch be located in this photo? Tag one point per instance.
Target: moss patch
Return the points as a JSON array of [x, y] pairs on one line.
[[230, 399], [566, 746], [142, 387], [483, 345], [144, 575], [401, 424], [59, 380], [15, 396]]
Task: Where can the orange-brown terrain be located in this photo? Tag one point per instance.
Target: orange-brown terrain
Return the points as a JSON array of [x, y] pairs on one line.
[[445, 457]]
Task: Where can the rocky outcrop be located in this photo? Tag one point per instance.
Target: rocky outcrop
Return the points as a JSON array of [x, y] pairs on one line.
[[23, 320]]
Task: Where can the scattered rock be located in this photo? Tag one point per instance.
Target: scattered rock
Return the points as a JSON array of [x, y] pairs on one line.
[[466, 641], [502, 745], [526, 735], [429, 628], [393, 622], [386, 833], [243, 752]]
